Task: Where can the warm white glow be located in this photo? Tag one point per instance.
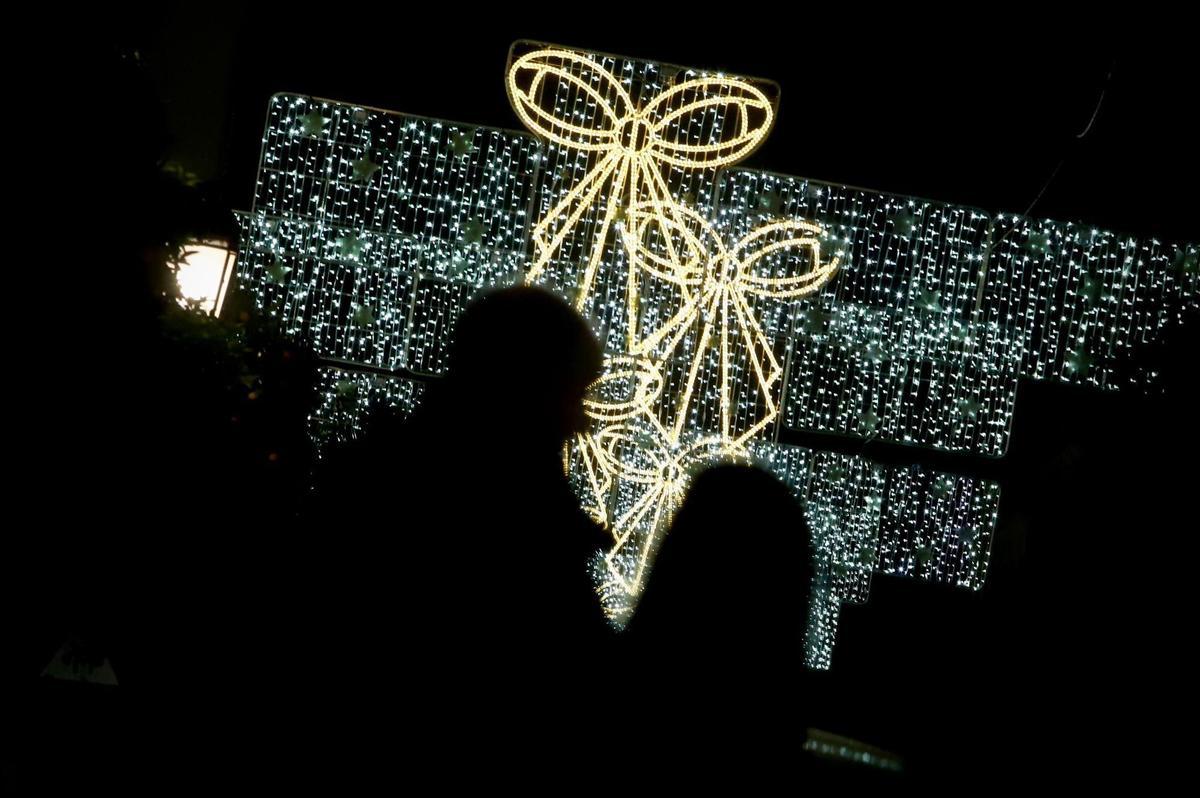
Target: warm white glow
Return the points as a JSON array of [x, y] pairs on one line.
[[203, 276]]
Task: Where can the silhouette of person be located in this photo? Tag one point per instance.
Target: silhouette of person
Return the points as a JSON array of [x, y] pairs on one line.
[[465, 556], [724, 612], [490, 440]]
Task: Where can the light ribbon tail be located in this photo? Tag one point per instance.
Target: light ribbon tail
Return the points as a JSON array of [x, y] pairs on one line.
[[599, 484], [585, 193], [756, 340], [726, 388], [714, 297], [654, 498], [616, 192]]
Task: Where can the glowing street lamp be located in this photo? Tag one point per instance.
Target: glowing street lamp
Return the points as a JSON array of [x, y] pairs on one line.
[[203, 275]]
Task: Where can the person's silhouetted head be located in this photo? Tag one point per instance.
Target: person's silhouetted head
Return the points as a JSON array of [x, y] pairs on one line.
[[732, 576], [521, 363]]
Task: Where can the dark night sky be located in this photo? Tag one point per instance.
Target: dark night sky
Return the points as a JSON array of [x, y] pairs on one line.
[[978, 117]]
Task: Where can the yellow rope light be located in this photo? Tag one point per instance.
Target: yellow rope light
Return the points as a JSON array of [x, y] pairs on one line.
[[631, 144], [668, 242], [718, 283]]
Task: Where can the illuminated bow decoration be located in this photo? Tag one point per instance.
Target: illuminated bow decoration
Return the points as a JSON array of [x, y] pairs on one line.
[[717, 286], [627, 389], [630, 145], [661, 469]]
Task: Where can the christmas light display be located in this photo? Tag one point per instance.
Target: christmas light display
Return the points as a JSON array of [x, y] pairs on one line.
[[734, 304]]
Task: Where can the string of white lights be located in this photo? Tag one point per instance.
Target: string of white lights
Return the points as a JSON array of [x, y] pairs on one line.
[[1079, 301], [730, 302], [347, 397]]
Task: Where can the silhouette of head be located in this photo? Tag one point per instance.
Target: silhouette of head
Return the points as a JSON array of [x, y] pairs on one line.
[[522, 361], [735, 570]]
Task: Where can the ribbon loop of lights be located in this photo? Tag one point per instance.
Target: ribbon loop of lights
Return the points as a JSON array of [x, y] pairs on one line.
[[735, 304]]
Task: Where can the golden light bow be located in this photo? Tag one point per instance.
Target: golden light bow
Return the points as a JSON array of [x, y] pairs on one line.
[[717, 285], [632, 444], [630, 144]]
